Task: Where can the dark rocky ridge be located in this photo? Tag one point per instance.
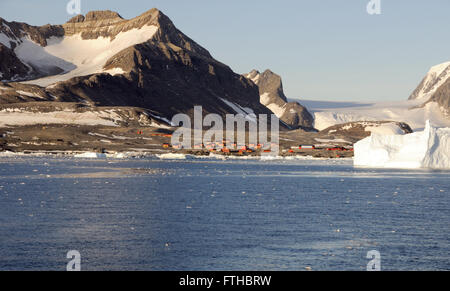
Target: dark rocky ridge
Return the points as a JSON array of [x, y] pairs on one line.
[[10, 66], [96, 16], [39, 34], [442, 97]]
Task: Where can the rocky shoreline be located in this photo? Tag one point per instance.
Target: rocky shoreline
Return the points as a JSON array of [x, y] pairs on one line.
[[75, 139]]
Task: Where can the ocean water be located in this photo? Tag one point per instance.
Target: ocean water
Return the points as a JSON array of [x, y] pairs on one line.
[[151, 214]]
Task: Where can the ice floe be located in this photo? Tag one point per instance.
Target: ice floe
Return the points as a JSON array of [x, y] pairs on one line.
[[90, 155]]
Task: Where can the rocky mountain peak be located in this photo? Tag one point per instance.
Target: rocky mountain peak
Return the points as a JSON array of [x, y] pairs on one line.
[[253, 74], [95, 24], [109, 24], [102, 15], [435, 78], [435, 87], [76, 19], [270, 85], [96, 16]]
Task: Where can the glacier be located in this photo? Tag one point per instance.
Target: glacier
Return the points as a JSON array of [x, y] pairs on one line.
[[429, 148]]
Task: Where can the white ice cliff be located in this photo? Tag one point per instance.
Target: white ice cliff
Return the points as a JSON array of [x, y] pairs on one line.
[[426, 149]]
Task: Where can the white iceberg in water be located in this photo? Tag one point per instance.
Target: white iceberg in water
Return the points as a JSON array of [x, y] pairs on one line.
[[426, 149], [90, 155], [172, 156]]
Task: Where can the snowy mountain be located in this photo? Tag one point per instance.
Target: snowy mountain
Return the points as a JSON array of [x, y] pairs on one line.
[[272, 96], [435, 87], [429, 101], [410, 112], [101, 59], [434, 79]]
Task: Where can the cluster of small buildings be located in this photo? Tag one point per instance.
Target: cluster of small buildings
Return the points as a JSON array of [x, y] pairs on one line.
[[225, 146], [162, 134]]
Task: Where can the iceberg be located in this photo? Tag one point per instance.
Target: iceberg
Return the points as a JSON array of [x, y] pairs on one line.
[[429, 148], [90, 155], [172, 156]]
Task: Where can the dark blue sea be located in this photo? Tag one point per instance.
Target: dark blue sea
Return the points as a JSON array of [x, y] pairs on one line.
[[206, 214]]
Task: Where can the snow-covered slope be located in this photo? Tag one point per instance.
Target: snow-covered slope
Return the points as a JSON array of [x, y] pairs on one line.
[[427, 149], [76, 56], [10, 118], [435, 78], [389, 128], [32, 113], [435, 87]]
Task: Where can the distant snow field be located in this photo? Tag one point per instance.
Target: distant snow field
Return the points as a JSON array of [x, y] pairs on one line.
[[327, 114]]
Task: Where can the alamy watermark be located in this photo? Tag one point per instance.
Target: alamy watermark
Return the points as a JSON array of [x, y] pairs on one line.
[[73, 7], [241, 132], [75, 261], [375, 261], [374, 7]]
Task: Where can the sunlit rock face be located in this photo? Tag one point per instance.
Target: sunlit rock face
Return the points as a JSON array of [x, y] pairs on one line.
[[270, 85]]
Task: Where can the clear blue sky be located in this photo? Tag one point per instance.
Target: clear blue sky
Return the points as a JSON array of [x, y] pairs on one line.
[[324, 50]]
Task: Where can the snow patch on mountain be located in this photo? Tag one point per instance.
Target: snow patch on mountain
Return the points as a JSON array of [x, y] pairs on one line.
[[5, 40], [248, 113], [264, 99], [16, 117], [29, 94], [279, 110], [75, 56], [276, 109], [115, 71], [385, 129]]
